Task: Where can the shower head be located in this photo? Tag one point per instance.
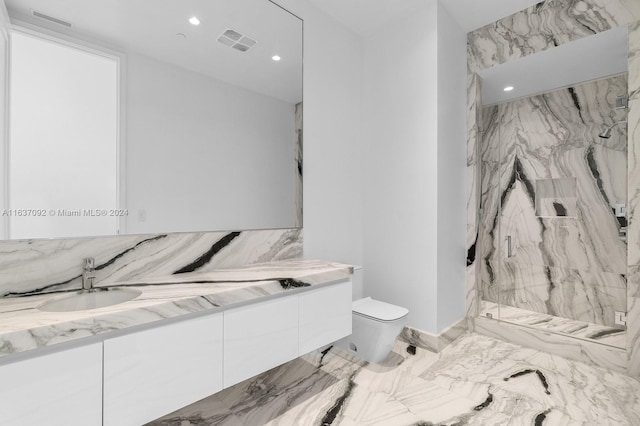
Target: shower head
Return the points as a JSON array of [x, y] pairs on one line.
[[606, 134]]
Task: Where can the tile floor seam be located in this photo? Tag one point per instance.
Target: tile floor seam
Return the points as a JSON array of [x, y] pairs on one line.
[[513, 413]]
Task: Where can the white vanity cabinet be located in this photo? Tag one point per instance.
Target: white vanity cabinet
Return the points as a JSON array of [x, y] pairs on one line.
[[131, 379], [325, 316], [153, 372], [258, 337], [62, 388]]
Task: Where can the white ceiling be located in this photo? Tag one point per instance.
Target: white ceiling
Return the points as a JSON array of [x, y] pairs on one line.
[[118, 22], [149, 27], [473, 14], [365, 17]]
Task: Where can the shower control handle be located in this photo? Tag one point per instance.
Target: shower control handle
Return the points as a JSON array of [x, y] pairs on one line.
[[507, 247]]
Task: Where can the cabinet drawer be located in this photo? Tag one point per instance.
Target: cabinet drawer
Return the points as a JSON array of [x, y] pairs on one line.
[[63, 388], [259, 337], [325, 316], [151, 373]]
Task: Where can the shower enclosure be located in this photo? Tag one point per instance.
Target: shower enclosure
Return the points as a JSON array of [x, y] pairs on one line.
[[552, 234]]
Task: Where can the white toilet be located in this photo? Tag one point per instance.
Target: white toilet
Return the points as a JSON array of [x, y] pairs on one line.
[[376, 325]]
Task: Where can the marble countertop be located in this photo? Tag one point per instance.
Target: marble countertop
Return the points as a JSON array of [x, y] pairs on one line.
[[24, 327]]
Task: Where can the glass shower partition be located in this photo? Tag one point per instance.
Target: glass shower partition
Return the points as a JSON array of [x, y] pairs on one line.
[[553, 219]]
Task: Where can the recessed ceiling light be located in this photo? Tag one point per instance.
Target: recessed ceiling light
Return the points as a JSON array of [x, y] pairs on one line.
[[194, 21], [276, 58], [508, 88], [181, 35]]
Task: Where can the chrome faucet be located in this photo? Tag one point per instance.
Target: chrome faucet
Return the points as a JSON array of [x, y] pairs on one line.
[[88, 274]]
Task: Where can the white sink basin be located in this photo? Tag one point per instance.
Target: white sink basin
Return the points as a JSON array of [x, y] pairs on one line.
[[90, 299]]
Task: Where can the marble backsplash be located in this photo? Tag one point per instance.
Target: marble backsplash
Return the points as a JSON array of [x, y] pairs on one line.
[[555, 184], [37, 266]]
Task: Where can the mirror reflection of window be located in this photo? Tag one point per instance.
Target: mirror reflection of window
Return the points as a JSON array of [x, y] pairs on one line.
[[63, 141], [208, 136]]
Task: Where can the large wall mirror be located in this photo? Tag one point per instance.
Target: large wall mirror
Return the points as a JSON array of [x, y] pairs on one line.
[[151, 116]]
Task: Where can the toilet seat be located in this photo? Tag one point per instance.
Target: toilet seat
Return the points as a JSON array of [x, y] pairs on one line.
[[377, 310]]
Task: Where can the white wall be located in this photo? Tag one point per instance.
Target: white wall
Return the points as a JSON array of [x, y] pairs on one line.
[[452, 94], [414, 132], [4, 51], [198, 147], [385, 188], [332, 143], [401, 140]]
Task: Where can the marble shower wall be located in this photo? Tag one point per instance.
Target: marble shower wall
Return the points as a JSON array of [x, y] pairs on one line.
[[633, 253], [50, 265], [543, 26], [473, 195], [540, 27], [557, 183]]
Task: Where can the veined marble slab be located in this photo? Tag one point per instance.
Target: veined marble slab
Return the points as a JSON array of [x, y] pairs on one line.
[[475, 381], [633, 258], [543, 26], [298, 163], [23, 327], [473, 189], [38, 266], [633, 255], [551, 184], [633, 336], [613, 336], [634, 58], [568, 347]]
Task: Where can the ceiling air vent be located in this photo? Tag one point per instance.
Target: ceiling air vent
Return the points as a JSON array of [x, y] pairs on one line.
[[46, 17], [236, 40]]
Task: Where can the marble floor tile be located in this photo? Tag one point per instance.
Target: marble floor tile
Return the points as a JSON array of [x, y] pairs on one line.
[[430, 401], [285, 391], [397, 371], [206, 412], [374, 408], [477, 380]]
